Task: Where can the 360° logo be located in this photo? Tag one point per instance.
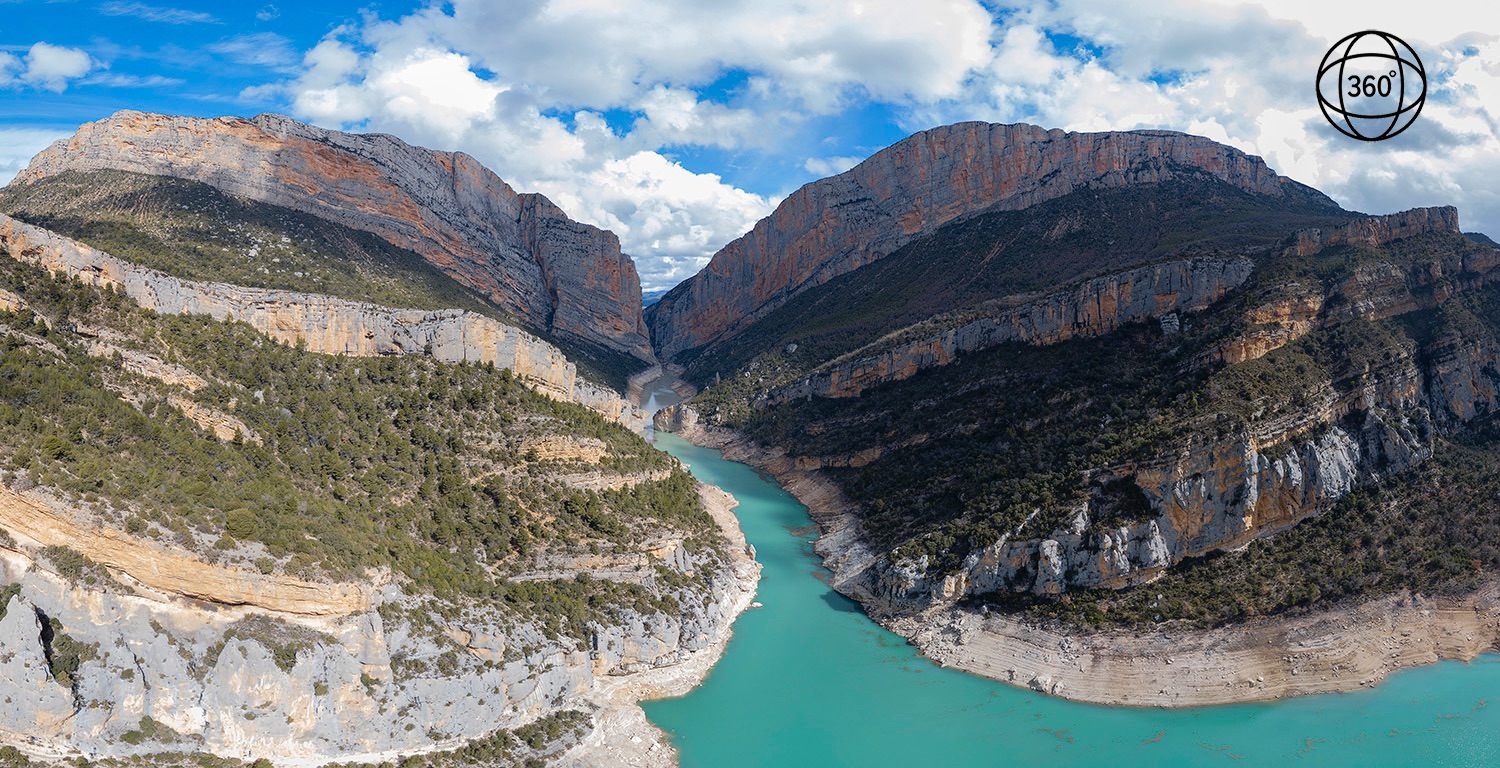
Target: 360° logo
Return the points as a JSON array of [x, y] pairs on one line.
[[1371, 85]]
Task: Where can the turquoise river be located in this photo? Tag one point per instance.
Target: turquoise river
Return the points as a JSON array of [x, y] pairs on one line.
[[809, 680]]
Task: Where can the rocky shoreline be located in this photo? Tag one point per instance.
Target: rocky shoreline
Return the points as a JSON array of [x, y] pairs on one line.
[[622, 736], [1340, 649]]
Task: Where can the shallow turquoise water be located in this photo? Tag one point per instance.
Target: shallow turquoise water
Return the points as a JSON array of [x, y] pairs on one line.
[[808, 680]]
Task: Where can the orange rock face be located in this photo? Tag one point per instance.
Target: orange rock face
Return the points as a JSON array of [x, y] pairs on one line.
[[838, 224], [555, 274]]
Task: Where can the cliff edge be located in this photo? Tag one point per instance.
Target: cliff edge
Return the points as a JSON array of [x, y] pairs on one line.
[[556, 275]]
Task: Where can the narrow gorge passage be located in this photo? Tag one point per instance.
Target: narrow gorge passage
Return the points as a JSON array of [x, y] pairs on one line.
[[808, 679]]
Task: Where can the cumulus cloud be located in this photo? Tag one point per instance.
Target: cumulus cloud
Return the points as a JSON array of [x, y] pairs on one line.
[[45, 66], [590, 102], [666, 216], [585, 101], [1241, 73]]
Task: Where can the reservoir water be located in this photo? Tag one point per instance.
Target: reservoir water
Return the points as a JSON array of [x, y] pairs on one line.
[[809, 680]]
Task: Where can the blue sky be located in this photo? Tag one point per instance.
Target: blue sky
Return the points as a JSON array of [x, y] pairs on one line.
[[678, 123]]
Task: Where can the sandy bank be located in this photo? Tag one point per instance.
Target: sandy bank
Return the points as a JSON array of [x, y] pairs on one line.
[[1340, 649]]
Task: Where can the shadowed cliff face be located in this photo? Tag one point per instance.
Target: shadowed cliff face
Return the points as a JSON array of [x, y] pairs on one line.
[[1099, 435], [557, 275], [838, 224]]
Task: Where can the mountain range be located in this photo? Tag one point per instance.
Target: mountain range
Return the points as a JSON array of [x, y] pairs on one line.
[[322, 446]]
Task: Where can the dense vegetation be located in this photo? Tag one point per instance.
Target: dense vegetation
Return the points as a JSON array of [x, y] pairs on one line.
[[344, 465], [1009, 253], [1434, 531], [973, 448], [194, 231], [966, 452]]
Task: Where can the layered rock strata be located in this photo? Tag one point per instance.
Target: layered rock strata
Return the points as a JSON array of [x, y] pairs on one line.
[[1210, 494], [307, 687], [1210, 491], [841, 223], [324, 323], [520, 250], [1094, 307]]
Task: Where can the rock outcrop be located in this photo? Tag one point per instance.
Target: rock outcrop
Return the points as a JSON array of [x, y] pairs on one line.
[[1092, 308], [838, 224], [555, 274], [1378, 230], [174, 572], [324, 323], [1209, 489], [1208, 494], [1162, 292], [250, 682]]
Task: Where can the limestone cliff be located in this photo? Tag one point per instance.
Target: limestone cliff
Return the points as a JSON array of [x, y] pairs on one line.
[[323, 323], [520, 250], [198, 670], [1162, 292], [1209, 493], [1215, 480], [838, 224], [1094, 307]]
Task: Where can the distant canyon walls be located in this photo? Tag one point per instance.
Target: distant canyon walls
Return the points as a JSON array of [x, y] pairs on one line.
[[1161, 292], [324, 323], [520, 250], [841, 223], [1092, 308], [1215, 493]]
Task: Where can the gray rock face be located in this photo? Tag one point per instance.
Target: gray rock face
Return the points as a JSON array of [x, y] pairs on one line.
[[324, 323], [33, 704], [225, 680], [838, 224], [1213, 497], [520, 250]]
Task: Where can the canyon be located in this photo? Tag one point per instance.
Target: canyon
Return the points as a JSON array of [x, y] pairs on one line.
[[269, 664]]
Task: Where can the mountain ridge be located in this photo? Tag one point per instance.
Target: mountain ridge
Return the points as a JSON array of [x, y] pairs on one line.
[[835, 225], [519, 249]]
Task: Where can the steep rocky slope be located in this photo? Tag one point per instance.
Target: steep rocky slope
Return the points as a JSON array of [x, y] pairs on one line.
[[839, 224], [386, 556], [1338, 361], [556, 275], [1117, 383], [323, 323]]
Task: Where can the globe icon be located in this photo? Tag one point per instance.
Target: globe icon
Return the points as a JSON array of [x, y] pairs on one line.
[[1371, 85]]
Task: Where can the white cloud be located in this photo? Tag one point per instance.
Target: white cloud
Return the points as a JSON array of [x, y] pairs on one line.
[[19, 145], [45, 66], [535, 90], [1241, 73], [261, 49], [830, 166], [669, 218], [9, 66], [112, 80], [157, 13], [587, 100], [605, 54]]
